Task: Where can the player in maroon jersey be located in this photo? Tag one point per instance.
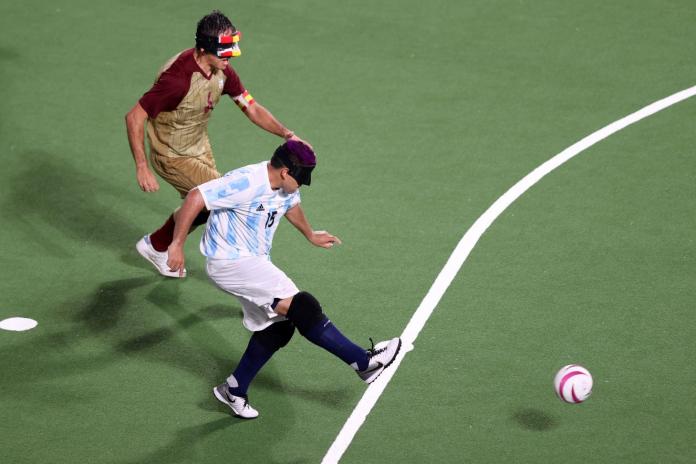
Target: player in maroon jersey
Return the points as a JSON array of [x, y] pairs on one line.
[[175, 113]]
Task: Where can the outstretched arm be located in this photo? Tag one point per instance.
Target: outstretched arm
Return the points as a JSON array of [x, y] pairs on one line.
[[135, 122], [319, 238], [184, 218], [263, 118]]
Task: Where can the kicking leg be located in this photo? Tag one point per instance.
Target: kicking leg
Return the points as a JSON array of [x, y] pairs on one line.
[[305, 312]]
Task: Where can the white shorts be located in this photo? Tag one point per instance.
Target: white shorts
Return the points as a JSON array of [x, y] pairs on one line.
[[256, 282]]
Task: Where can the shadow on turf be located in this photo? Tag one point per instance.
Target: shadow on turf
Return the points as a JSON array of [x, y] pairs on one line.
[[202, 351], [182, 448], [51, 194], [210, 356], [114, 316], [114, 321], [534, 419], [335, 398], [8, 54], [50, 191], [111, 322], [203, 357]]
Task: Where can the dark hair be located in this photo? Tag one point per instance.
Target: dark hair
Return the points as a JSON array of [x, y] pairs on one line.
[[298, 158], [214, 24], [296, 153], [276, 162]]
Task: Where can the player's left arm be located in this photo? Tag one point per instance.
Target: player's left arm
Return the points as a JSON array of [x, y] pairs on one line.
[[253, 110], [193, 205], [319, 238], [259, 115]]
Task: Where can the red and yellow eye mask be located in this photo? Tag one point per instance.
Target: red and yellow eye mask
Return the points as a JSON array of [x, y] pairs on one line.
[[228, 45], [224, 45]]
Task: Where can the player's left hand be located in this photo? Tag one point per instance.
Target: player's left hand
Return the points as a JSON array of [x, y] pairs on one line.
[[322, 238], [297, 139]]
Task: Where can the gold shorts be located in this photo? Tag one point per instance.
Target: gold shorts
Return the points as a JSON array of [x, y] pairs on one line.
[[185, 172]]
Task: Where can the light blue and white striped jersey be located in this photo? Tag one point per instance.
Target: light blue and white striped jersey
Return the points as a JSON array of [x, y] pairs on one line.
[[244, 213]]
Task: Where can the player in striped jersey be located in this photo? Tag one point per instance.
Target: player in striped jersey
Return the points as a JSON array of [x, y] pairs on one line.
[[176, 111], [245, 207]]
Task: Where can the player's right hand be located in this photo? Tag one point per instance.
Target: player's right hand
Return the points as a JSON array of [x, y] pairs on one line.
[[176, 259], [147, 180]]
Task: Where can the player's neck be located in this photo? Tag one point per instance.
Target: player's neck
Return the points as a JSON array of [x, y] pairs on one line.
[[203, 63]]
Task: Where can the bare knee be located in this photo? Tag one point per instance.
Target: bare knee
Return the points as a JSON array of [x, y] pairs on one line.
[[282, 306], [304, 311]]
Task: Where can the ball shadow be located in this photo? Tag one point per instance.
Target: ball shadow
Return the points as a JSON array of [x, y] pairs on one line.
[[534, 419]]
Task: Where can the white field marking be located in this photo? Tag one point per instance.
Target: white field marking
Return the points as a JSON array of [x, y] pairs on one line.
[[460, 254], [18, 324]]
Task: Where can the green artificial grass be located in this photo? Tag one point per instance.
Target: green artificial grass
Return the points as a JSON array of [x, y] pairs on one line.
[[422, 115]]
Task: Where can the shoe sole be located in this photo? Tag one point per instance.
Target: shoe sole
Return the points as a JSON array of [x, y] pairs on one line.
[[222, 399], [398, 348], [141, 247]]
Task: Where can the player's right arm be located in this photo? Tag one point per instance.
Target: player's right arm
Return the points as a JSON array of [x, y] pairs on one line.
[[165, 95], [193, 205], [135, 125]]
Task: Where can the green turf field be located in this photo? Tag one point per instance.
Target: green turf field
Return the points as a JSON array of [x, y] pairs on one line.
[[422, 115]]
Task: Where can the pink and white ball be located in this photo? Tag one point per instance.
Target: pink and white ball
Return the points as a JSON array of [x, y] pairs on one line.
[[573, 383]]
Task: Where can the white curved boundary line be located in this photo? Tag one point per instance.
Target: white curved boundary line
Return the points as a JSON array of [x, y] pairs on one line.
[[460, 254]]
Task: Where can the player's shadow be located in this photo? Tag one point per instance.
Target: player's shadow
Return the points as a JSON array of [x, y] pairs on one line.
[[190, 342], [50, 195], [182, 446], [116, 315], [122, 319], [335, 398], [113, 317], [534, 419], [207, 354], [107, 306], [98, 318], [220, 357]]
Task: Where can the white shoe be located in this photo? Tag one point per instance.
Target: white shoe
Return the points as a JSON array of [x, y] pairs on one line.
[[381, 356], [157, 258], [239, 404]]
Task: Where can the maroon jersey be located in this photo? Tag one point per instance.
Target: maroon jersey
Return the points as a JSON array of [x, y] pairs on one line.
[[180, 102]]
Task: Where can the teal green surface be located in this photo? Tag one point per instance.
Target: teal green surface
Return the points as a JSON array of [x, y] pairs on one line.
[[422, 115]]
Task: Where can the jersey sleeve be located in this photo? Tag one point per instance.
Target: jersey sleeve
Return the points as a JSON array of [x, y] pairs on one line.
[[166, 94], [295, 199], [233, 85], [235, 89], [226, 192]]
